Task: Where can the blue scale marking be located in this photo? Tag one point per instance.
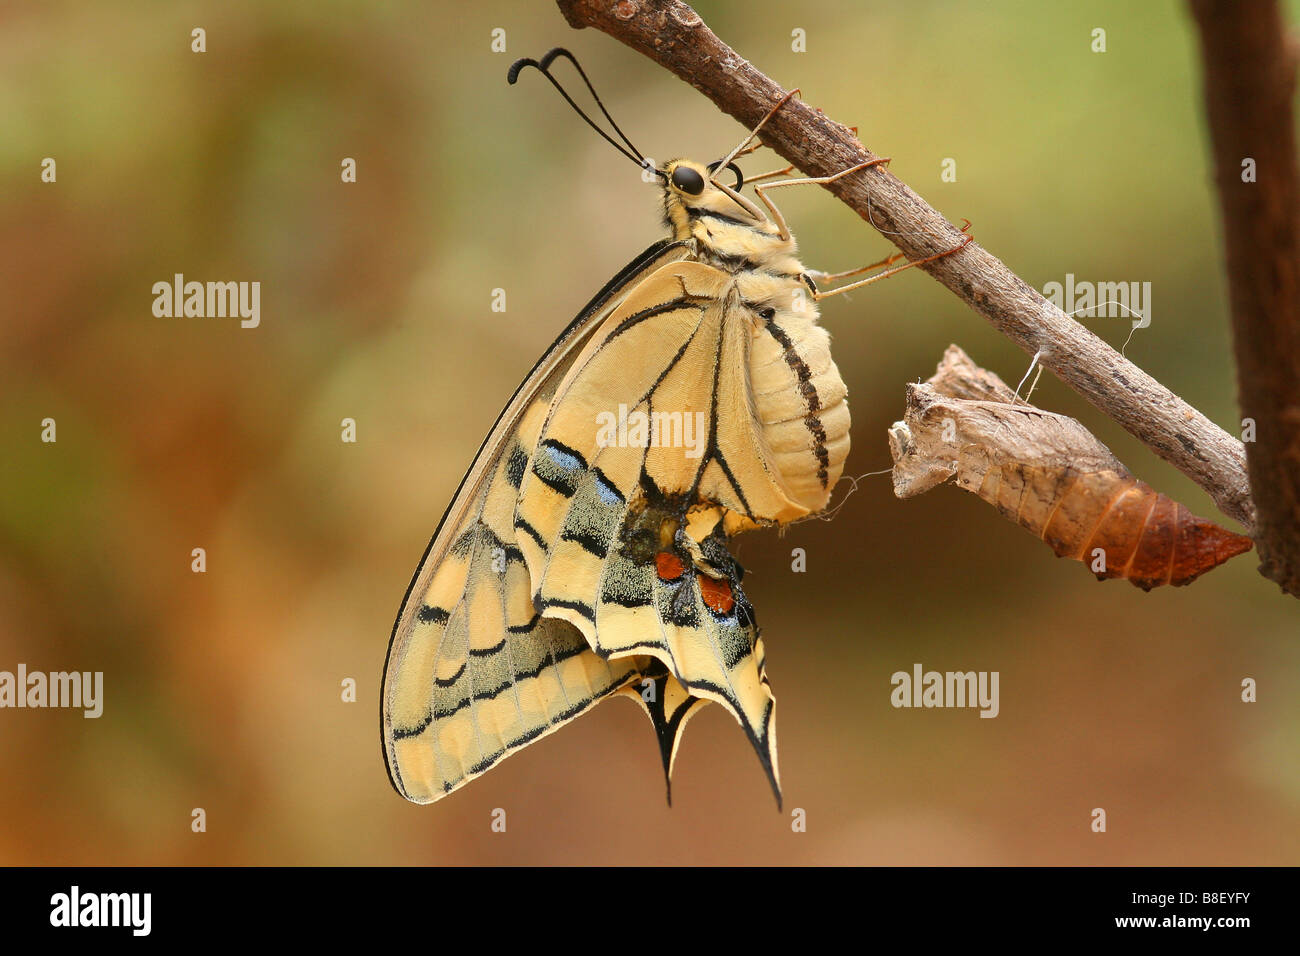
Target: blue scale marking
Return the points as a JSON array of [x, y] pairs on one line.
[[607, 494], [563, 459]]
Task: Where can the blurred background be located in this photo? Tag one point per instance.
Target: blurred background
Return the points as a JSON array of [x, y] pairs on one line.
[[223, 689]]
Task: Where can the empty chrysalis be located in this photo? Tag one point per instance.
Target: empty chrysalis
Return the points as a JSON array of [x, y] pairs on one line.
[[1050, 475]]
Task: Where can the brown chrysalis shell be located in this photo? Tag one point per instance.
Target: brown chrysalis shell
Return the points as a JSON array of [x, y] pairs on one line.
[[1050, 475]]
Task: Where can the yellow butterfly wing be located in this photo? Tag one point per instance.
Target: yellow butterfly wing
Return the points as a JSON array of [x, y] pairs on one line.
[[473, 672], [628, 543], [669, 706]]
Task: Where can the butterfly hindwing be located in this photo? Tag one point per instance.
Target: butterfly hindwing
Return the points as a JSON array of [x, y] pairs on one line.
[[607, 529], [669, 706]]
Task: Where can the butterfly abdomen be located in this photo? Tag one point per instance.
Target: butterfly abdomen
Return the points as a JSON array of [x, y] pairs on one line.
[[799, 396], [800, 399]]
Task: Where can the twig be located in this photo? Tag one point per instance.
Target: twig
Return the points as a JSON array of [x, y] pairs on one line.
[[1250, 80], [674, 36]]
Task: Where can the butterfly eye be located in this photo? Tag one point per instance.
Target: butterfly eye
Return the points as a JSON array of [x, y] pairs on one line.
[[688, 180]]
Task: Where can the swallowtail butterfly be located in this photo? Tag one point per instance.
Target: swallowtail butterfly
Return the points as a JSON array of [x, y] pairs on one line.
[[580, 560]]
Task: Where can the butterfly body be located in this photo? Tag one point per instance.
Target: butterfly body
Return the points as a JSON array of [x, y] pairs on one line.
[[569, 568], [799, 395]]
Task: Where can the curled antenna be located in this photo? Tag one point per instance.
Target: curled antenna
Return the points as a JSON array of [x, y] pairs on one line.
[[543, 66]]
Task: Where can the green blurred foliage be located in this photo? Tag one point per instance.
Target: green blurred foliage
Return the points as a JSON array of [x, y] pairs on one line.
[[223, 689]]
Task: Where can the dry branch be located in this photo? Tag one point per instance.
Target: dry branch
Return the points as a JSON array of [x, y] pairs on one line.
[[1250, 82], [674, 36]]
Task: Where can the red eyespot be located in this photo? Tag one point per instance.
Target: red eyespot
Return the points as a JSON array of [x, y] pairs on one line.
[[716, 594], [668, 566]]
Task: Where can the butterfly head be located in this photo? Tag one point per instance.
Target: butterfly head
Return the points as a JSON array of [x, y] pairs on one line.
[[693, 190]]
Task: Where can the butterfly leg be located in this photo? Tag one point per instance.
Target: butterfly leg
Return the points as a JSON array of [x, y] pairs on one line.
[[861, 283], [776, 172], [752, 148], [835, 276], [745, 150], [722, 163], [779, 220]]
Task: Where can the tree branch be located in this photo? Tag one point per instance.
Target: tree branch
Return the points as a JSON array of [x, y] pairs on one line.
[[674, 36], [1250, 81]]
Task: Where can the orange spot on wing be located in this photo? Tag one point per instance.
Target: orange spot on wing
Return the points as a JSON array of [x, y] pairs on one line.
[[668, 566], [716, 594]]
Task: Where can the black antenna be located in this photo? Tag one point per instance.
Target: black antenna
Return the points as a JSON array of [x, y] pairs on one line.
[[543, 66]]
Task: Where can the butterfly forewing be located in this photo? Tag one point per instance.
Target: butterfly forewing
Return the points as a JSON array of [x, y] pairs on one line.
[[473, 672]]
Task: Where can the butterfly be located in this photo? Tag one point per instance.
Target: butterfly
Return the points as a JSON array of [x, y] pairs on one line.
[[585, 554]]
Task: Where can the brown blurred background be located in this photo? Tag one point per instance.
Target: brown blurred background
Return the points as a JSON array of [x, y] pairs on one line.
[[223, 688]]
